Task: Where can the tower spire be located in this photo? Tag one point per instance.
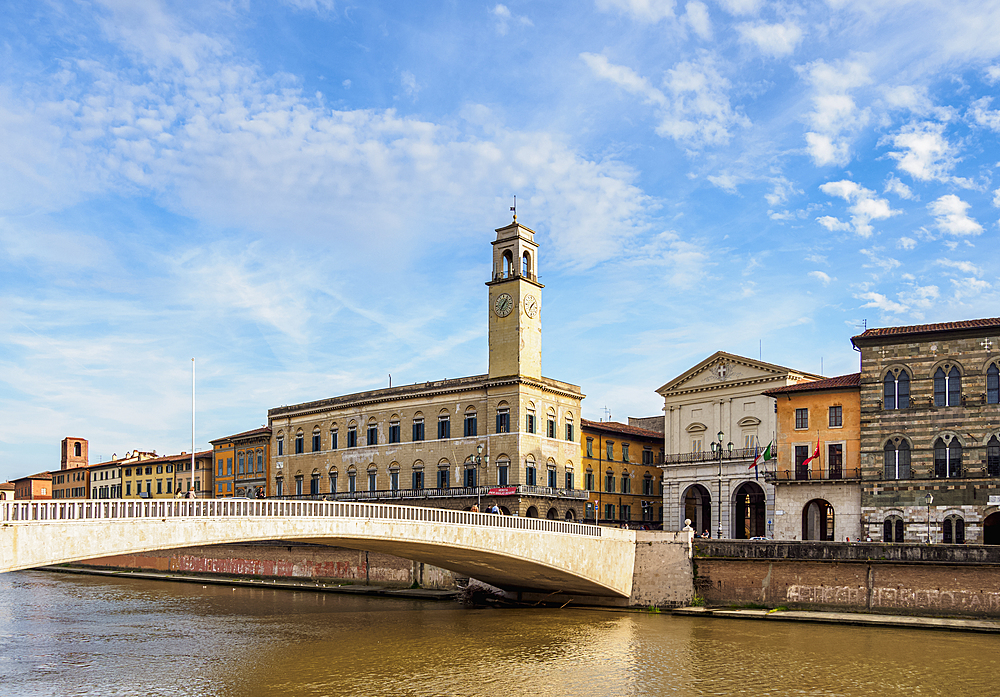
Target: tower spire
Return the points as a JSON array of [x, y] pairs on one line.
[[514, 208]]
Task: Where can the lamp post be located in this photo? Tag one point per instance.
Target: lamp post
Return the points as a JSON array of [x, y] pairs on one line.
[[719, 450], [480, 462], [929, 499]]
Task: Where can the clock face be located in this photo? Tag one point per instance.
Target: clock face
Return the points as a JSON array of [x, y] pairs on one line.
[[503, 305], [530, 306]]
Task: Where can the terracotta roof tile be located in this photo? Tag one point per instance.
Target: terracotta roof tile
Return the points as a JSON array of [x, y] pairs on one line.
[[841, 381], [618, 427], [263, 430], [987, 323]]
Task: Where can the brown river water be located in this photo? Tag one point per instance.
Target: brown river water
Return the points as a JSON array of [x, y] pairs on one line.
[[84, 635]]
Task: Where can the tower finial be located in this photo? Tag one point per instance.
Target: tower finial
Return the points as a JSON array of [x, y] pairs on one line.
[[514, 208]]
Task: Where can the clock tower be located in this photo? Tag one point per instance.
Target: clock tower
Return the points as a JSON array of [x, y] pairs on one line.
[[515, 304]]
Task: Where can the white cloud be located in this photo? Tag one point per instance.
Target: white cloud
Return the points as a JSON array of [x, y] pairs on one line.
[[835, 117], [642, 10], [897, 187], [817, 259], [969, 287], [831, 223], [773, 40], [926, 153], [996, 198], [822, 277], [502, 17], [725, 181], [865, 206], [877, 259], [696, 17], [951, 216], [409, 82], [993, 74], [906, 243], [741, 7], [982, 115], [318, 6], [346, 84], [694, 104], [920, 297], [966, 267], [879, 301]]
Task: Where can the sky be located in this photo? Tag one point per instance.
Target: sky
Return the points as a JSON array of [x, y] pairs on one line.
[[301, 195]]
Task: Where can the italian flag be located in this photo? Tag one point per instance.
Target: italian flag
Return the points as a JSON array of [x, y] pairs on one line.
[[762, 457]]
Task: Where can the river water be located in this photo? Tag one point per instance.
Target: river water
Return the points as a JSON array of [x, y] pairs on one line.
[[65, 635]]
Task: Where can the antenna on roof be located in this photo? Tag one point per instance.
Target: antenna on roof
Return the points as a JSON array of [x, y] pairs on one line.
[[607, 414], [513, 208]]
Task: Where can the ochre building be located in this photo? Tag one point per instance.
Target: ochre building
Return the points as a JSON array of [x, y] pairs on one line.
[[508, 438], [621, 472]]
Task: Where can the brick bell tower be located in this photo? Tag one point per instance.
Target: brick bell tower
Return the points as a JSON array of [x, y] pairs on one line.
[[515, 323]]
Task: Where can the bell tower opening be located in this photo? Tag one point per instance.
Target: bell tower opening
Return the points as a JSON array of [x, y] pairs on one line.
[[515, 327]]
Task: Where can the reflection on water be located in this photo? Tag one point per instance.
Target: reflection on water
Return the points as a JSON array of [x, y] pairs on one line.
[[75, 635]]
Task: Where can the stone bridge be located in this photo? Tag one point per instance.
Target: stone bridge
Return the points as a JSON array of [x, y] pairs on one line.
[[512, 553]]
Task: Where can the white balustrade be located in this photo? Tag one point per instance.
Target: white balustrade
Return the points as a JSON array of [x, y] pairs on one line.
[[40, 512]]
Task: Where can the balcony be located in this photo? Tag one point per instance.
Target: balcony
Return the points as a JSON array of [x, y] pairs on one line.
[[449, 493], [709, 456], [800, 474]]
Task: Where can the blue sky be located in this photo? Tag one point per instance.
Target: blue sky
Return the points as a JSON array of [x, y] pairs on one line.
[[301, 195]]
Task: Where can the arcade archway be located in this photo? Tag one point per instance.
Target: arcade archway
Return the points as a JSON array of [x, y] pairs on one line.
[[817, 521], [991, 529], [749, 512], [698, 508]]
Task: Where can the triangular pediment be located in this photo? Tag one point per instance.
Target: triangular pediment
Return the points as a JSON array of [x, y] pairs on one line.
[[723, 369]]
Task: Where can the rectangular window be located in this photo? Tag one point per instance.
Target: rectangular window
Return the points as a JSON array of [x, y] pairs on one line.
[[300, 444], [444, 427], [530, 475], [590, 447], [394, 481], [128, 488], [281, 446], [801, 418], [372, 481], [220, 468], [626, 484], [418, 479], [418, 430], [609, 511], [529, 422], [471, 426], [333, 482], [569, 431], [260, 461], [170, 484], [569, 480], [298, 486], [552, 482], [588, 481], [352, 482], [836, 417], [372, 435], [333, 440], [647, 485], [444, 479], [610, 447], [609, 482], [801, 470], [394, 432], [696, 445], [229, 467], [835, 460], [503, 420], [470, 478], [626, 512], [624, 452], [352, 436], [159, 486], [551, 428], [279, 487], [503, 472], [315, 442]]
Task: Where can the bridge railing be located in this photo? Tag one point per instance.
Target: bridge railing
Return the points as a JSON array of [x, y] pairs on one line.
[[12, 512]]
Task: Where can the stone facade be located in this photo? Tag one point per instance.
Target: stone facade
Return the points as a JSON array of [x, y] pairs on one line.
[[724, 393], [818, 498], [930, 432], [508, 438], [241, 463]]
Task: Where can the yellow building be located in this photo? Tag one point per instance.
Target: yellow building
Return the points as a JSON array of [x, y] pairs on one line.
[[818, 477], [241, 463], [168, 476], [508, 438], [621, 472]]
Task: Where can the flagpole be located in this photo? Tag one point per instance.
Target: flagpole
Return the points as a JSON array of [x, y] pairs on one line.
[[192, 429]]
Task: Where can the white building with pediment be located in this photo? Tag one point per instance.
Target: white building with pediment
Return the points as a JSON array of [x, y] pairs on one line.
[[721, 395]]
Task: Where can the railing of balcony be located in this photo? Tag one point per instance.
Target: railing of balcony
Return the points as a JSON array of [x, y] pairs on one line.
[[803, 474], [709, 456], [450, 493], [15, 512]]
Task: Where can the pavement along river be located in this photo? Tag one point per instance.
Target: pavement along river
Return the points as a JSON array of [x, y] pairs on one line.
[[64, 635]]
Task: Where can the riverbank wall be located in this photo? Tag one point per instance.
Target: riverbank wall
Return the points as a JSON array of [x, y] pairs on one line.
[[285, 560], [853, 577]]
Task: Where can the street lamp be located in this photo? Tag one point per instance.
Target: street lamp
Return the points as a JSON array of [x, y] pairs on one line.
[[719, 450], [929, 499], [480, 462]]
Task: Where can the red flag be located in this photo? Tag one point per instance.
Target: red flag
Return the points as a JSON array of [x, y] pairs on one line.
[[815, 454]]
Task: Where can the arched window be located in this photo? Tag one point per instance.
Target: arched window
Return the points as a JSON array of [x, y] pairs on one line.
[[299, 443], [314, 483], [76, 446], [530, 471], [470, 427], [333, 480], [993, 457], [526, 265], [947, 457], [372, 477], [896, 390], [953, 530], [508, 264], [897, 459], [992, 384], [947, 387], [892, 529]]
